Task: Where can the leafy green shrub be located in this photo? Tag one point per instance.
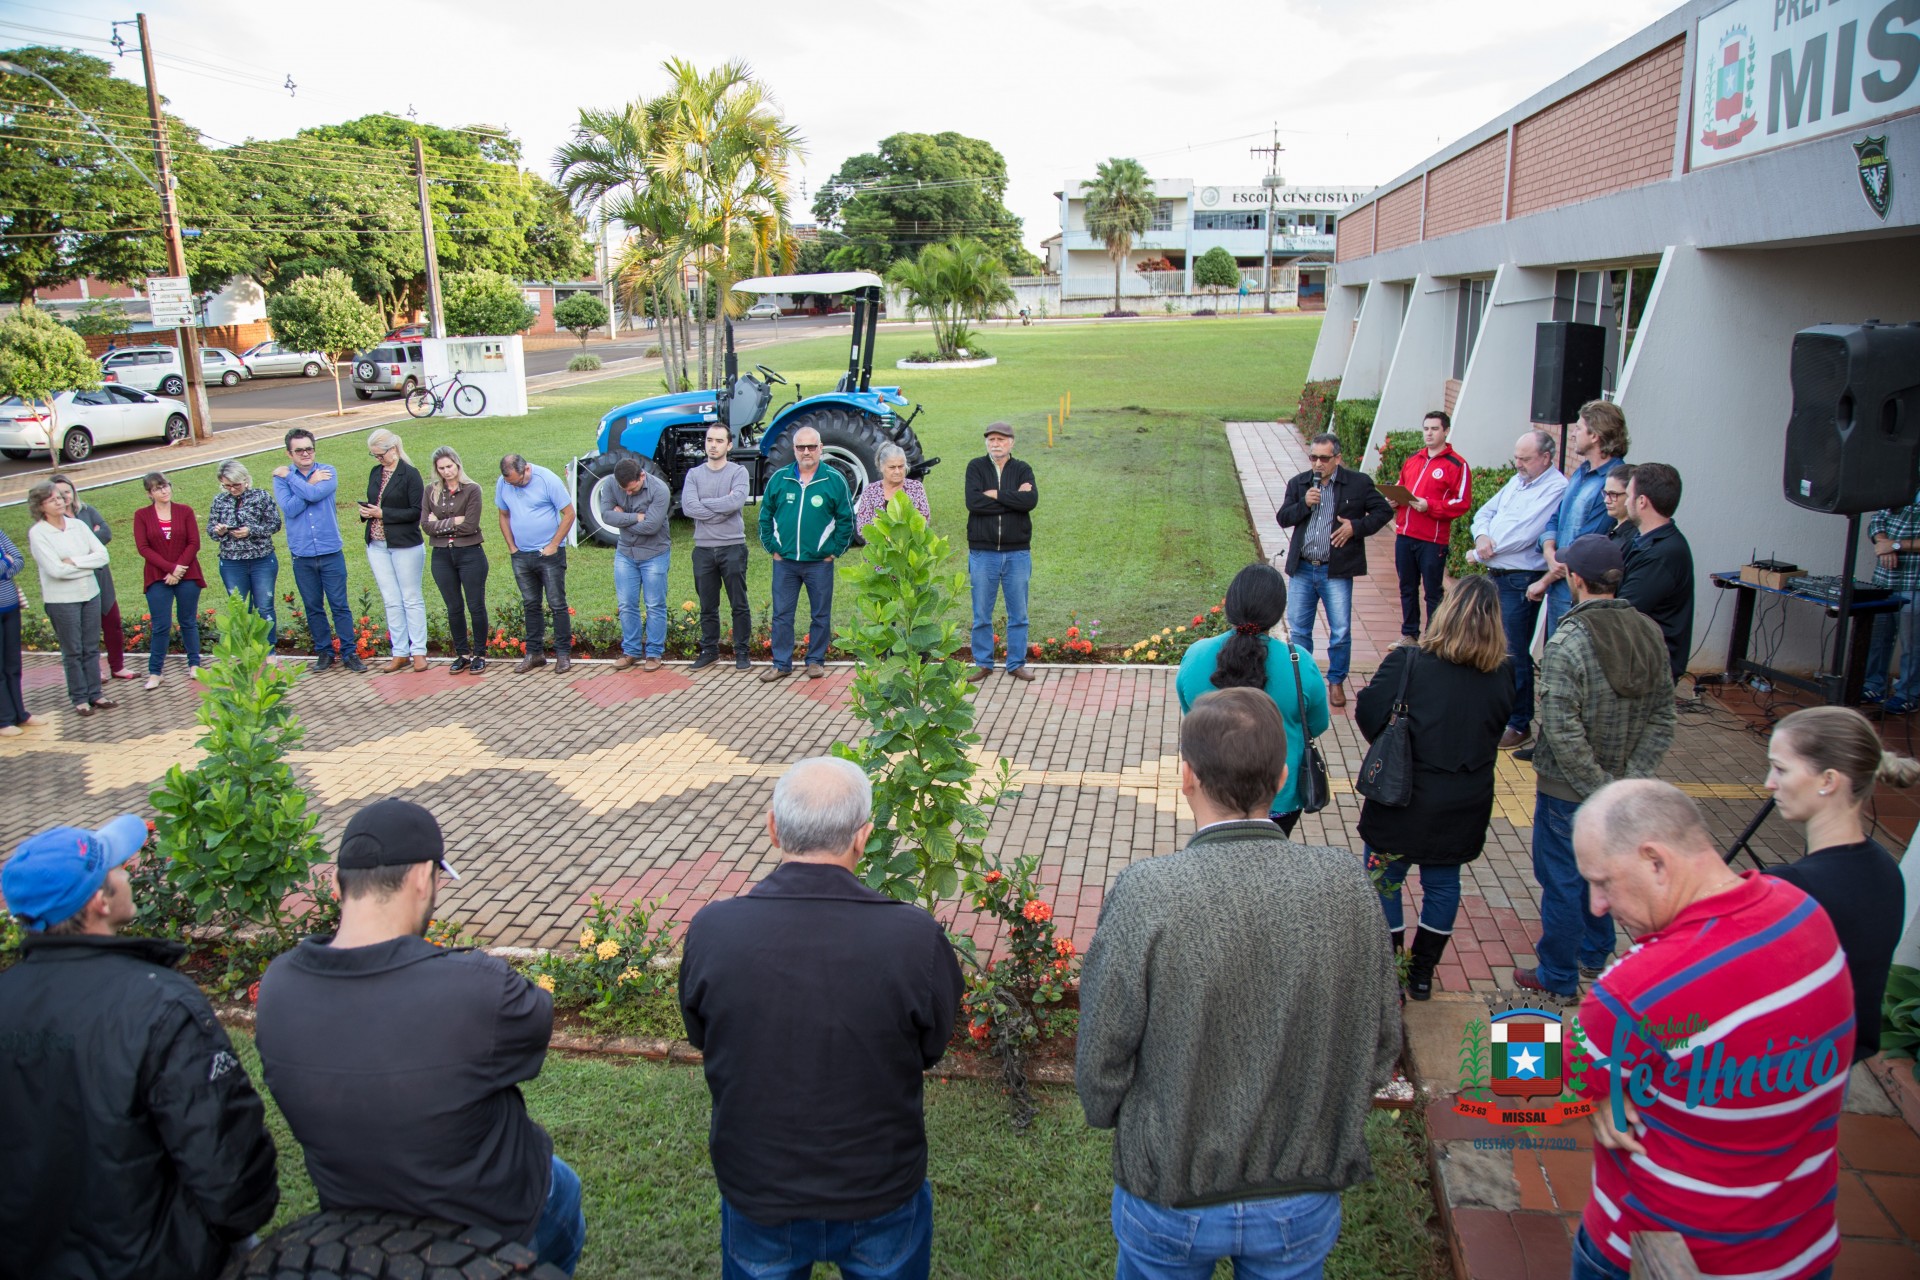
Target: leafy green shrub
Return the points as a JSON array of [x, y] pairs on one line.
[[235, 830], [1316, 406], [1485, 484], [1395, 449], [1011, 1003], [927, 826], [612, 970], [583, 363], [1900, 1015], [580, 315], [1353, 423]]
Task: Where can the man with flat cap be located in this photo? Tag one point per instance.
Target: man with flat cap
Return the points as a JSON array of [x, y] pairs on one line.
[[135, 1144], [397, 1062], [1000, 500]]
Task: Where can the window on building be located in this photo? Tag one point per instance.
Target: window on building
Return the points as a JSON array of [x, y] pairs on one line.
[[1237, 221], [1162, 216], [1466, 329], [1613, 298]]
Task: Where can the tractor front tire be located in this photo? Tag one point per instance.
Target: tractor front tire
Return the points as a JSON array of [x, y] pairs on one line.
[[595, 489], [386, 1246], [849, 443]]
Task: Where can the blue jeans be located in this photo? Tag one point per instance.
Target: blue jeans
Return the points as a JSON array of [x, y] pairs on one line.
[[1518, 616], [162, 600], [1880, 653], [562, 1230], [398, 570], [1590, 1264], [253, 580], [1559, 603], [1419, 563], [323, 585], [1568, 930], [788, 577], [993, 574], [632, 580], [1439, 893], [894, 1246], [1281, 1238], [1305, 590]]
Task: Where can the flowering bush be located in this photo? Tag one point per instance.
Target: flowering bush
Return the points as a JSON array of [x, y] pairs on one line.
[[1075, 644], [1012, 1003], [1172, 643], [610, 971]]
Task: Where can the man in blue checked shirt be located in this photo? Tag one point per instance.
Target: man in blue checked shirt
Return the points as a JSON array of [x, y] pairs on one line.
[[1599, 440], [304, 489], [1896, 546]]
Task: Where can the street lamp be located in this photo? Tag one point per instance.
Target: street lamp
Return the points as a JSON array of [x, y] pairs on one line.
[[14, 68]]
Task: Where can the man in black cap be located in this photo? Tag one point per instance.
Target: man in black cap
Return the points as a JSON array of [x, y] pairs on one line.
[[135, 1144], [1000, 499], [397, 1062], [1606, 712]]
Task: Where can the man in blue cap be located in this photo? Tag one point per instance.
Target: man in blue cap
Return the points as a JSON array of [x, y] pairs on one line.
[[136, 1145]]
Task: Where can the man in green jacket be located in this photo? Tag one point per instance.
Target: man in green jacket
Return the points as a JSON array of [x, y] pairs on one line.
[[1606, 712], [806, 520]]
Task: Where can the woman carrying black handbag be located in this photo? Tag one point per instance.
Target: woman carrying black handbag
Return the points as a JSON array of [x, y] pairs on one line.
[[1458, 697]]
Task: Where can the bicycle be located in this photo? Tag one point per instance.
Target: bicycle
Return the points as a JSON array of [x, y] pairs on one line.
[[468, 401]]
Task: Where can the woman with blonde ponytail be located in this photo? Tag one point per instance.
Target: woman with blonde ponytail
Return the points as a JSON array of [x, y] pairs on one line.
[[1822, 763]]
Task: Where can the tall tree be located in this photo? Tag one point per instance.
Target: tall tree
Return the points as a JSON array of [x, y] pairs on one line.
[[919, 189], [1120, 205]]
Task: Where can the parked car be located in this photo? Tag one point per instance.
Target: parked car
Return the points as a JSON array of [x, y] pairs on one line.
[[406, 333], [269, 359], [762, 311], [158, 368], [392, 368], [111, 415]]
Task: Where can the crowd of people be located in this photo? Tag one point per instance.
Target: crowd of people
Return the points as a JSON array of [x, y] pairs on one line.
[[1240, 1003]]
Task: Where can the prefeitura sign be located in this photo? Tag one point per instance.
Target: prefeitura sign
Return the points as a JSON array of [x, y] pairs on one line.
[[170, 298], [1771, 72]]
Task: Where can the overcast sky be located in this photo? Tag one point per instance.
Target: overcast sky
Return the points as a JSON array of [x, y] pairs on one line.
[[1361, 90]]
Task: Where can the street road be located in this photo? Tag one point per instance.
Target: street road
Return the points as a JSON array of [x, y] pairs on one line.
[[273, 399]]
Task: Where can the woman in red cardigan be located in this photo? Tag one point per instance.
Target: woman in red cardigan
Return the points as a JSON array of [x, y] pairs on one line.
[[168, 538]]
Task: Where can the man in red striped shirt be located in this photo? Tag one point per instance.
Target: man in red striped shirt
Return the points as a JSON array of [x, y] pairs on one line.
[[1442, 489], [1717, 1051]]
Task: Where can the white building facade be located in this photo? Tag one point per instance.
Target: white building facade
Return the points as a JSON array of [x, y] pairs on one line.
[[1192, 218]]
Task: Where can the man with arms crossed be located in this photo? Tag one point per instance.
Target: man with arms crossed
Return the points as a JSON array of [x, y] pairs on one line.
[[712, 496]]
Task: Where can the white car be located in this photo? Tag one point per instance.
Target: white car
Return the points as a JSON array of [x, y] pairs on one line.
[[111, 415], [268, 359], [762, 311], [158, 368]]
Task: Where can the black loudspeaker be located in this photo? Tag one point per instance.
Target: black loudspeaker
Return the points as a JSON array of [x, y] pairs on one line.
[[1853, 442], [1566, 368]]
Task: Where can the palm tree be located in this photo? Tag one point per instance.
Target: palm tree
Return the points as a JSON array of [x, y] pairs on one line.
[[953, 282], [1120, 206]]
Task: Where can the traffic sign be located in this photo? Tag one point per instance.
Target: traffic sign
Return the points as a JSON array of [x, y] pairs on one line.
[[170, 298]]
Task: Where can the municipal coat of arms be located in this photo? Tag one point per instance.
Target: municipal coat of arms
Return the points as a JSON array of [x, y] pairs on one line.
[[1876, 173], [1727, 111]]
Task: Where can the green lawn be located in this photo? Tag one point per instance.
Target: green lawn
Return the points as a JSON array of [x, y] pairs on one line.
[[1030, 1206], [1140, 523]]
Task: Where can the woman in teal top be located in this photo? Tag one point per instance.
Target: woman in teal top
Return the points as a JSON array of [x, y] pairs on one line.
[[1247, 657]]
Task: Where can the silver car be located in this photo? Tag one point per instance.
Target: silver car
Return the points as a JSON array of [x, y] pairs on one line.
[[269, 359], [217, 364], [392, 368]]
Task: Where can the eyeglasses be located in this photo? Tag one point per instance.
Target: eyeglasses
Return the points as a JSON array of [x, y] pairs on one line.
[[806, 448], [298, 449], [1614, 495], [1322, 457]]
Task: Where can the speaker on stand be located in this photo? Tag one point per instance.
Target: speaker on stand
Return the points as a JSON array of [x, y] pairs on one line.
[[1567, 362], [1853, 440]]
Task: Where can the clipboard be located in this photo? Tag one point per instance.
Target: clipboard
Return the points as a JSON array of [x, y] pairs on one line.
[[1398, 495]]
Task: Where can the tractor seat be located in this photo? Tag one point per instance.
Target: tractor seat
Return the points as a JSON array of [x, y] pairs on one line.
[[748, 402]]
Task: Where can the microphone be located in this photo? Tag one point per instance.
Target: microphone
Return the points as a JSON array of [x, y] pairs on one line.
[[1316, 480]]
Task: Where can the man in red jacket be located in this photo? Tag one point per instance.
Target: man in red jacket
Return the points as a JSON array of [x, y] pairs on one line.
[[1442, 489]]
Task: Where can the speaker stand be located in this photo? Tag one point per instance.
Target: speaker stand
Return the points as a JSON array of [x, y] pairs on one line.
[[1836, 680]]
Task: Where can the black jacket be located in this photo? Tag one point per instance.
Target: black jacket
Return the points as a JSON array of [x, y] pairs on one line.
[[134, 1143], [400, 506], [1455, 716], [819, 1004], [1002, 523], [398, 1065], [1358, 501], [1659, 583]]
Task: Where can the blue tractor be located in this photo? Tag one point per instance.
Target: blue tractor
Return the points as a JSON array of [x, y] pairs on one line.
[[667, 434]]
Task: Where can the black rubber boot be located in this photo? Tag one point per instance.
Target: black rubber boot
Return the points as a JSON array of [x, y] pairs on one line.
[[1427, 949]]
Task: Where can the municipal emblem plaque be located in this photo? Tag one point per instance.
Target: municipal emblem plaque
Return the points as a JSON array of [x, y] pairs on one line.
[[1876, 174]]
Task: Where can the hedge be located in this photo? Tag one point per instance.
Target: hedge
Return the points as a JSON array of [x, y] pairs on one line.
[[1316, 406], [1353, 423]]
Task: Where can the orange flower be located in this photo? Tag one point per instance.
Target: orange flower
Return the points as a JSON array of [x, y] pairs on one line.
[[1073, 633], [994, 877], [978, 1031], [1197, 619], [1038, 911], [1064, 946], [1215, 609], [1061, 965]]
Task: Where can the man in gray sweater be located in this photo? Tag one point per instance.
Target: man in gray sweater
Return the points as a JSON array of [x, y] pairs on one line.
[[711, 497], [641, 510], [1238, 1010]]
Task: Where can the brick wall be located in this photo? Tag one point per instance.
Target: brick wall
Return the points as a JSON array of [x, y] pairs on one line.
[[1450, 394], [1353, 234], [1399, 217], [1465, 191], [76, 290], [1615, 133], [234, 337]]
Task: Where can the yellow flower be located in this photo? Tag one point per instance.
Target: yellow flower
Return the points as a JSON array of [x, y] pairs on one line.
[[1153, 655], [544, 983], [1166, 631], [687, 607], [608, 949], [1179, 628], [587, 939], [629, 974]]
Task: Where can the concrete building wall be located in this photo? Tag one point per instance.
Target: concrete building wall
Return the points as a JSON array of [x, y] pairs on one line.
[[1493, 402], [1374, 340], [1416, 378], [1467, 190], [1613, 134], [1336, 333]]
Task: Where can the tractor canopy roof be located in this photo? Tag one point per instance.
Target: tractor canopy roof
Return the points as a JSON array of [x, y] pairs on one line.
[[817, 282]]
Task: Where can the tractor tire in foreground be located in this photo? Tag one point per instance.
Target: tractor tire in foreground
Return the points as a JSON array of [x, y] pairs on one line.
[[849, 441], [388, 1246], [595, 490]]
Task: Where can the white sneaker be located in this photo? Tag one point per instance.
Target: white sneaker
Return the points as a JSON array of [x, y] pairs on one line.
[[153, 682], [10, 731]]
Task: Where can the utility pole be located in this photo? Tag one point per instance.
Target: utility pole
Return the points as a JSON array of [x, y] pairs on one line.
[[187, 337], [1271, 182], [435, 314]]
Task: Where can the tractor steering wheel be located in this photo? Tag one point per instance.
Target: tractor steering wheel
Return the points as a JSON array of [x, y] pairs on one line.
[[769, 374]]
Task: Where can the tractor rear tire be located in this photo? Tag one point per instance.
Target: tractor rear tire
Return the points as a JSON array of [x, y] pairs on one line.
[[595, 488], [849, 441], [368, 1243]]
